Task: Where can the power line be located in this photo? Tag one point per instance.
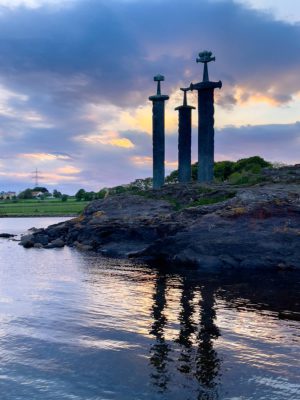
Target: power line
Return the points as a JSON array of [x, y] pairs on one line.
[[36, 177]]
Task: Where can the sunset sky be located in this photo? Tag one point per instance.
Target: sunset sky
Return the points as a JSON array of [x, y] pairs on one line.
[[75, 77]]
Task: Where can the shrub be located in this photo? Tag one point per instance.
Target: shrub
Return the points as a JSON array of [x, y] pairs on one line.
[[251, 164], [119, 189], [102, 193], [223, 169]]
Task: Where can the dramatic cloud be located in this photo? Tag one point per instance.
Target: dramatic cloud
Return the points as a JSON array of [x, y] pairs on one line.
[[75, 81]]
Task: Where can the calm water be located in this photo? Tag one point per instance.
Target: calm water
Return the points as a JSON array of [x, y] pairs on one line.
[[76, 326]]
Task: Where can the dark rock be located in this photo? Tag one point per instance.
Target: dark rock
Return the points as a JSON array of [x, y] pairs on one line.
[[38, 246], [56, 243], [27, 241], [41, 238], [6, 235], [35, 230]]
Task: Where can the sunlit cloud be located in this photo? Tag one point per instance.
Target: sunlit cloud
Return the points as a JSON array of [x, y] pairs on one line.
[[244, 96], [171, 164], [68, 169], [257, 113], [109, 138], [141, 161], [147, 161], [139, 119], [44, 156]]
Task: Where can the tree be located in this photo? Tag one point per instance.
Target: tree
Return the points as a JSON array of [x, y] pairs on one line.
[[26, 194], [102, 193], [88, 196], [64, 197], [80, 194], [56, 194]]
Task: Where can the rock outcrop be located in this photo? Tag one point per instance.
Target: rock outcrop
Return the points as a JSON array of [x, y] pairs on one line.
[[205, 226], [6, 235]]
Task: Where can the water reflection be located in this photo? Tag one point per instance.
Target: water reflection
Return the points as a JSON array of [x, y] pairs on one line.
[[197, 357], [188, 327], [207, 362], [160, 350]]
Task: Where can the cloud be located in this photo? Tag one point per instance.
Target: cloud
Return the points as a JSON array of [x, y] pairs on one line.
[[109, 138], [44, 156], [93, 51], [279, 142], [75, 81], [68, 170]]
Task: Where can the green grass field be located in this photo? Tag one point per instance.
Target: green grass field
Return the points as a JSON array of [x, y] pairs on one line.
[[35, 208]]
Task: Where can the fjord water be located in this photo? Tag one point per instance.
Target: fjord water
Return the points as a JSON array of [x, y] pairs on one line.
[[77, 326]]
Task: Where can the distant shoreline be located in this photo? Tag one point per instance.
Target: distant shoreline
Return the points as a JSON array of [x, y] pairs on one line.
[[42, 208]]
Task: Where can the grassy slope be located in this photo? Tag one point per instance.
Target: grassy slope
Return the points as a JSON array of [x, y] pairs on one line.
[[55, 207]]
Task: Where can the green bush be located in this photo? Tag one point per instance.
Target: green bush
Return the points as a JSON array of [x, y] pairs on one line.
[[223, 169], [120, 189], [89, 196], [101, 194], [245, 178], [238, 178], [251, 164]]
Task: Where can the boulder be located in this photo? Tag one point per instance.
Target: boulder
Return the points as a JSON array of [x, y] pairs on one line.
[[27, 241], [56, 243]]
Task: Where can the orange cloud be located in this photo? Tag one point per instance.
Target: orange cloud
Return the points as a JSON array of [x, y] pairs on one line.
[[244, 96], [171, 164], [141, 160], [145, 160], [109, 138], [122, 142], [68, 169], [137, 120]]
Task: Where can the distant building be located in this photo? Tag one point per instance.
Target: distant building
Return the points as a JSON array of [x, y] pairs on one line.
[[37, 195], [7, 195]]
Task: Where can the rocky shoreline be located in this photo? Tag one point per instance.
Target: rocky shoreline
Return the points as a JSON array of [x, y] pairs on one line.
[[204, 226]]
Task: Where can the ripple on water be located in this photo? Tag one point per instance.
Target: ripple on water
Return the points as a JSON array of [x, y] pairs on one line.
[[76, 326]]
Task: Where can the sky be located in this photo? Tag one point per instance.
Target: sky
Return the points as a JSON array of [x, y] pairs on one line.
[[75, 77]]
